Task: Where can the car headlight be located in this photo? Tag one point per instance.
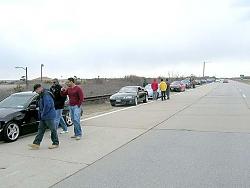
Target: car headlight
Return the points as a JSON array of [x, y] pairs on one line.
[[129, 97]]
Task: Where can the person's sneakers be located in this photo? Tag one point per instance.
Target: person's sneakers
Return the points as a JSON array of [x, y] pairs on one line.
[[34, 146], [53, 146], [78, 138], [73, 136], [64, 132]]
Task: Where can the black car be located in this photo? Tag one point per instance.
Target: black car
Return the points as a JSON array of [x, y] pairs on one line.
[[19, 115], [129, 95]]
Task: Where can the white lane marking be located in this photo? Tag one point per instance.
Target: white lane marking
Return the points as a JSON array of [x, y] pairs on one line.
[[244, 96]]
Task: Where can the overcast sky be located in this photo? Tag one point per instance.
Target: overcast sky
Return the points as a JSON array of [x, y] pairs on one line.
[[113, 38]]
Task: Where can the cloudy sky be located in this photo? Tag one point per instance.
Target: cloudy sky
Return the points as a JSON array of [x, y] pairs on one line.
[[113, 38]]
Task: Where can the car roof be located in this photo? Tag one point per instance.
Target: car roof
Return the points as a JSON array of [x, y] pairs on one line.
[[132, 86], [27, 93]]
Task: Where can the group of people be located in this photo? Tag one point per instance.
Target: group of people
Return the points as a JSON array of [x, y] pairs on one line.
[[51, 105], [164, 87]]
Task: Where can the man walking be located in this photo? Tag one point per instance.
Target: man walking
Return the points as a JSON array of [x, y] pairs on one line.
[[59, 101], [168, 89], [47, 114], [154, 87], [163, 88], [76, 98]]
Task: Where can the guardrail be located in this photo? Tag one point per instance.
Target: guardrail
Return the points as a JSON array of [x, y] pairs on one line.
[[96, 98]]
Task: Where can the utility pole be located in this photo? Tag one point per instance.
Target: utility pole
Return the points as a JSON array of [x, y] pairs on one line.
[[26, 74], [204, 66], [42, 65]]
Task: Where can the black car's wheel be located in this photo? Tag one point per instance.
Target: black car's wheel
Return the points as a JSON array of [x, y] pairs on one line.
[[146, 99], [68, 119], [11, 132], [112, 103]]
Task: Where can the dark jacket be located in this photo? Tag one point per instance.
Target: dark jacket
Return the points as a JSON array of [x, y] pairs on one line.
[[46, 106], [59, 100]]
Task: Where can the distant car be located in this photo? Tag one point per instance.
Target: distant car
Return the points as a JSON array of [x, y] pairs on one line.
[[198, 82], [19, 115], [225, 81], [177, 86], [150, 91], [203, 81], [129, 95], [187, 83]]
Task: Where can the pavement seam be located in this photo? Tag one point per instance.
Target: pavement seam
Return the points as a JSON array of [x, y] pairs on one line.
[[200, 131], [185, 107], [52, 159]]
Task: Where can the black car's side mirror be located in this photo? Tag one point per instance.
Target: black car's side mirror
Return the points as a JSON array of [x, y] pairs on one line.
[[32, 107]]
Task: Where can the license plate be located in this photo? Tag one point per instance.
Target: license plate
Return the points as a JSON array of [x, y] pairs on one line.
[[119, 100]]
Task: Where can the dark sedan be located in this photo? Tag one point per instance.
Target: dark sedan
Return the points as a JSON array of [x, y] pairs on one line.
[[19, 115], [129, 95]]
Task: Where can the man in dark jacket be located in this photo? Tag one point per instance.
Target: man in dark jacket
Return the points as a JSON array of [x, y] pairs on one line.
[[168, 89], [59, 101], [47, 114]]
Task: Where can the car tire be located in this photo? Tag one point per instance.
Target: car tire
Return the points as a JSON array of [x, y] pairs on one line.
[[68, 119], [146, 99], [112, 103], [11, 132], [135, 101]]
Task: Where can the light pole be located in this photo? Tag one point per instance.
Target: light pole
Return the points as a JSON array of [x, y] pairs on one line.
[[204, 66], [26, 74], [42, 65]]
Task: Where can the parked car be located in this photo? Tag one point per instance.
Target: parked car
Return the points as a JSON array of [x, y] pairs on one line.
[[19, 115], [129, 95], [198, 82], [203, 81], [225, 81], [150, 91], [187, 83], [177, 86]]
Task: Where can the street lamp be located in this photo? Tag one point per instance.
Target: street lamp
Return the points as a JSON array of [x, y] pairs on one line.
[[42, 65], [204, 66], [26, 74]]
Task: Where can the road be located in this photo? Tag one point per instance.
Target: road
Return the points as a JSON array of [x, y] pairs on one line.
[[199, 138]]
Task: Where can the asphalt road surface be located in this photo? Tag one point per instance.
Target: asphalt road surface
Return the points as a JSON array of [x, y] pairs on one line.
[[199, 138]]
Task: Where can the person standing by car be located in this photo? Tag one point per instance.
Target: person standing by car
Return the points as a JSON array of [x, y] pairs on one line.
[[168, 89], [155, 87], [163, 88], [76, 98], [47, 114], [59, 101]]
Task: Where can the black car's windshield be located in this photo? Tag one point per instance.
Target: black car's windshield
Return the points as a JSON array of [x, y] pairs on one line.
[[128, 90], [15, 101]]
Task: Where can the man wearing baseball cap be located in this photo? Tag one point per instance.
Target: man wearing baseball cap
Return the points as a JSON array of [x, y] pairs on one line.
[[47, 115]]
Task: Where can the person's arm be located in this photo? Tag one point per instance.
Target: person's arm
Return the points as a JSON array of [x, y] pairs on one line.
[[81, 96], [64, 92]]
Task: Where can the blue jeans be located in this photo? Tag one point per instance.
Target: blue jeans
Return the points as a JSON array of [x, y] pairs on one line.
[[41, 130], [75, 113], [60, 121], [155, 95]]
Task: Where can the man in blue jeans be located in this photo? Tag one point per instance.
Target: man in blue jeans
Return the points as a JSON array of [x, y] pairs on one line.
[[59, 105], [76, 98], [47, 114]]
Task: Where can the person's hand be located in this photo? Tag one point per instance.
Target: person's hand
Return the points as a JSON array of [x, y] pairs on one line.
[[64, 89]]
